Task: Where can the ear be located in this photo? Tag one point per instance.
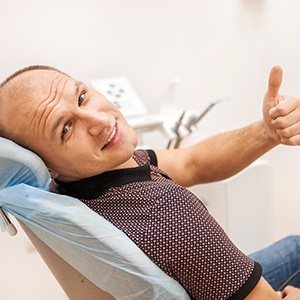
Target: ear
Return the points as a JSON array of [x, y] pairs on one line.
[[53, 174]]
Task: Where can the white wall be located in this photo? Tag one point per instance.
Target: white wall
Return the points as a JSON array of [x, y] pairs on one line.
[[217, 48]]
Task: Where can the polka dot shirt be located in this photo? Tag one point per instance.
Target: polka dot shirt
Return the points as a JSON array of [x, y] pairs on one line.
[[171, 225]]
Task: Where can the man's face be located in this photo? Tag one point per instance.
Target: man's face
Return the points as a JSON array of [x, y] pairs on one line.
[[73, 128]]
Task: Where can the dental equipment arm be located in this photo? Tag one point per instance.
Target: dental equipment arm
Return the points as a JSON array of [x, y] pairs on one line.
[[186, 124], [9, 226]]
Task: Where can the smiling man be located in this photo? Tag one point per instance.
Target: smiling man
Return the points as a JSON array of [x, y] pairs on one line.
[[61, 116], [89, 149]]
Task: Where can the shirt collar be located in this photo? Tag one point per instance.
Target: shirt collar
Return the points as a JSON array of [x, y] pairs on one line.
[[93, 187]]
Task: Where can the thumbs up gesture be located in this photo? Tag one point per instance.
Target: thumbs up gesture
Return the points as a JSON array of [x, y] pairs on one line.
[[281, 113]]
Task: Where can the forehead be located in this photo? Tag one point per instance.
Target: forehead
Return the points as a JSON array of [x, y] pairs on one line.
[[31, 85], [38, 88], [41, 81], [28, 95]]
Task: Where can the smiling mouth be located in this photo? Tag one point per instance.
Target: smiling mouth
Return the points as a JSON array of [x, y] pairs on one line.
[[110, 138]]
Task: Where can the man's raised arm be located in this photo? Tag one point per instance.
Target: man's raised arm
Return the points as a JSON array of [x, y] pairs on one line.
[[226, 154]]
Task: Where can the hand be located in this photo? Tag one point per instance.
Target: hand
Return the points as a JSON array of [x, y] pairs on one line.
[[290, 293], [281, 113]]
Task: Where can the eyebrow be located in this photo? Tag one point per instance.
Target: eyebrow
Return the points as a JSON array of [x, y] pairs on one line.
[[78, 84], [55, 126]]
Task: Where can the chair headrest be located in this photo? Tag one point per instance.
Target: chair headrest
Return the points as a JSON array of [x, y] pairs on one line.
[[19, 165]]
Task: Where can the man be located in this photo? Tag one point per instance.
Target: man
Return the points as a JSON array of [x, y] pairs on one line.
[[89, 149]]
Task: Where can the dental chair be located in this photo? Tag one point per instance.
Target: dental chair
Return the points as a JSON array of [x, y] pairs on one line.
[[89, 257]]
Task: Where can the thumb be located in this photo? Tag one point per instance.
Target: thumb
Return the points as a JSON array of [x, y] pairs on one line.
[[275, 80]]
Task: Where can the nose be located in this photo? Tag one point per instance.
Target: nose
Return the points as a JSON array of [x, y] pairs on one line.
[[95, 122]]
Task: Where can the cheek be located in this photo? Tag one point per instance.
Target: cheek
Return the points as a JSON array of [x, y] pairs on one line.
[[59, 158], [134, 139], [129, 138]]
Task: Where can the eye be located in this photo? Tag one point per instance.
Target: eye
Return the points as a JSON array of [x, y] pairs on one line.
[[81, 99], [65, 131]]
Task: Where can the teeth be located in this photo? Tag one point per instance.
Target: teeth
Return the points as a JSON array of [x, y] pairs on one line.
[[111, 136]]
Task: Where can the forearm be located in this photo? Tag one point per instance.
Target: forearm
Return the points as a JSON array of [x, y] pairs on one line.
[[229, 153], [218, 157], [263, 291]]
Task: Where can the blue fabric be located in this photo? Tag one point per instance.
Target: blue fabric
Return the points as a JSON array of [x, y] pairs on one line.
[[281, 262], [19, 165], [88, 242]]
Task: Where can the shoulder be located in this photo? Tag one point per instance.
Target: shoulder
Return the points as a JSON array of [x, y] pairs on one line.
[[145, 157]]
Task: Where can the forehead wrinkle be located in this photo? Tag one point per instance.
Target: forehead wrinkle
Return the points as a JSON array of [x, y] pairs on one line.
[[45, 108]]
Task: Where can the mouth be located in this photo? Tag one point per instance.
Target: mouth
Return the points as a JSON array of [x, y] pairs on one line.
[[110, 138]]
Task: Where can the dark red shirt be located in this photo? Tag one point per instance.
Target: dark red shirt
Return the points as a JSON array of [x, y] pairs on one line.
[[171, 225]]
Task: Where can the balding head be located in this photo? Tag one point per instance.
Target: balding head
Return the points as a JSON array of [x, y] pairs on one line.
[[15, 92]]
